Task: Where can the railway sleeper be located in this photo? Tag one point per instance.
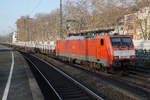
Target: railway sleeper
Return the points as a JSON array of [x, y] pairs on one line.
[[75, 95], [79, 98]]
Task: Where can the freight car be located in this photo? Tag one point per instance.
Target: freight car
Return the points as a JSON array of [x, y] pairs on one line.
[[99, 52]]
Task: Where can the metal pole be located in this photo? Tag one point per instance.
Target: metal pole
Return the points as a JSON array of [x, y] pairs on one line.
[[27, 30], [28, 23], [61, 23]]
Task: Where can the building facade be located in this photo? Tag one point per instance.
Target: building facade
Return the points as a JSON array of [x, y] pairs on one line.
[[14, 37], [138, 24], [130, 25]]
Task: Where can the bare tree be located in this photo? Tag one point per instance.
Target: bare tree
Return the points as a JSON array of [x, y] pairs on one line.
[[143, 18], [79, 15]]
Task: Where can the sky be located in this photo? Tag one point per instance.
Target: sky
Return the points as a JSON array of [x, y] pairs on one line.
[[11, 10]]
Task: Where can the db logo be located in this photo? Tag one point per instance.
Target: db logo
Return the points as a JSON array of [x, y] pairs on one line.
[[73, 47]]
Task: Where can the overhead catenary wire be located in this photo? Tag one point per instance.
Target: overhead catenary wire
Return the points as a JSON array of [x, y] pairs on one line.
[[37, 5], [29, 37]]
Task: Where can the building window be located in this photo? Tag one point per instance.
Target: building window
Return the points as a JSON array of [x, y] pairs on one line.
[[121, 28], [130, 27], [131, 17]]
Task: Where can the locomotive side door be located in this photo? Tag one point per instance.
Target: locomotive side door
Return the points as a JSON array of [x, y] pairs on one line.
[[102, 48]]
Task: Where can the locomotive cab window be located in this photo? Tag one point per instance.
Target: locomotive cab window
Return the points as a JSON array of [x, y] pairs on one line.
[[102, 42], [121, 41]]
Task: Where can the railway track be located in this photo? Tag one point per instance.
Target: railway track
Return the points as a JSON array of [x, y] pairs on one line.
[[56, 84], [141, 88], [140, 85]]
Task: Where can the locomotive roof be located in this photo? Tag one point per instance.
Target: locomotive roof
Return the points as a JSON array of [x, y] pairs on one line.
[[92, 37], [79, 37], [96, 32]]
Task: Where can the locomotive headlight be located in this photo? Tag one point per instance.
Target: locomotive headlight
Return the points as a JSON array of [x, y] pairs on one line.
[[116, 57]]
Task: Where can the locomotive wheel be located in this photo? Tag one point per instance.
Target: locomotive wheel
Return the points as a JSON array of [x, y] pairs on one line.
[[99, 67], [70, 61], [106, 70], [94, 67], [91, 67], [103, 69]]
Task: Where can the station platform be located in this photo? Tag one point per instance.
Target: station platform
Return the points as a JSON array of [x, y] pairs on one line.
[[16, 80]]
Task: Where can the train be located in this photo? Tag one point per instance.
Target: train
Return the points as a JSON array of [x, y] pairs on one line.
[[97, 51], [100, 52]]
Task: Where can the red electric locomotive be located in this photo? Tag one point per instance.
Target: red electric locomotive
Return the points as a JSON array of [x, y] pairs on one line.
[[100, 52]]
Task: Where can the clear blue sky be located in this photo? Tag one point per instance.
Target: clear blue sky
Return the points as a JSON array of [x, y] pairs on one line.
[[11, 10]]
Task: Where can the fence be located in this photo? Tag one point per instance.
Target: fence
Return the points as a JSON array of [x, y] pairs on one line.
[[142, 51]]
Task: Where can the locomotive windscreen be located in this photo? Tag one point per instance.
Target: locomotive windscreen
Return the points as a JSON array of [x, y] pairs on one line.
[[121, 41]]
